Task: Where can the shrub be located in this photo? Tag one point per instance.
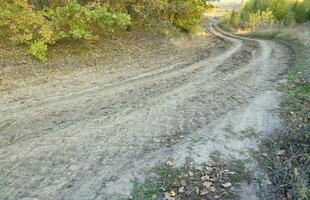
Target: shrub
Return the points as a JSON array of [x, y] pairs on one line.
[[254, 19], [279, 8], [255, 12], [38, 29], [267, 17], [78, 22], [302, 11], [186, 14], [235, 18], [38, 49], [41, 23]]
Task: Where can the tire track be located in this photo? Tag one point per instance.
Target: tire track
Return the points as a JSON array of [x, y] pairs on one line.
[[69, 146]]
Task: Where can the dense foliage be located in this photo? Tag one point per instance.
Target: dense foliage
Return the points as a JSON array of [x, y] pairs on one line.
[[40, 23], [258, 12]]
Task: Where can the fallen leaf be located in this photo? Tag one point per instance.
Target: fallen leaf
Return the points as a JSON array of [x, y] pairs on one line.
[[191, 173], [212, 189], [181, 190], [197, 190], [281, 152], [210, 163], [183, 182], [204, 192], [155, 140], [207, 184], [172, 193], [204, 178], [168, 197], [209, 169], [169, 163]]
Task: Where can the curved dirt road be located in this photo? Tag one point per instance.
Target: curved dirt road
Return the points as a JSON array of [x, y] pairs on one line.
[[88, 142]]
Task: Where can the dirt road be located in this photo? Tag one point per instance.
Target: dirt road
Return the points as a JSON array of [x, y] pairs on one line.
[[89, 138]]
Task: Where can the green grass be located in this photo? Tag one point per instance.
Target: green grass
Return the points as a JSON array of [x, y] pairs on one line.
[[169, 179], [150, 188]]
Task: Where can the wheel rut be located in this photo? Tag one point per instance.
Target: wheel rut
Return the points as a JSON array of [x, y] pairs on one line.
[[88, 144]]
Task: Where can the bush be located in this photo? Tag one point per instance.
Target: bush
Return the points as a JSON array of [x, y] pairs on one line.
[[22, 24], [187, 14], [302, 11], [262, 12], [38, 49], [41, 23]]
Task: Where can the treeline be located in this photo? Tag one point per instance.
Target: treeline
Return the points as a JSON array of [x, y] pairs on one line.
[[257, 12], [40, 23]]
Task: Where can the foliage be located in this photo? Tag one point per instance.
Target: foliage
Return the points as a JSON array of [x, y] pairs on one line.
[[41, 23], [37, 29], [187, 14], [38, 49], [302, 11], [261, 12]]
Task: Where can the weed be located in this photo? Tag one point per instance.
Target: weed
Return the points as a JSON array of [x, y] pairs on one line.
[[212, 180], [287, 153]]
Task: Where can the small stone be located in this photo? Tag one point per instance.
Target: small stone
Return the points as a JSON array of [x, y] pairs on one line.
[[217, 196], [227, 185]]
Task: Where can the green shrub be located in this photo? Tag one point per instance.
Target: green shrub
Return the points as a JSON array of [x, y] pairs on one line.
[[302, 11], [187, 14], [279, 8], [38, 49], [41, 23], [254, 19], [38, 29], [235, 19], [257, 12]]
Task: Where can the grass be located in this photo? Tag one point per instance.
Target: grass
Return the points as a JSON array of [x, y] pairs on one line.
[[285, 155], [248, 133], [192, 181], [287, 160]]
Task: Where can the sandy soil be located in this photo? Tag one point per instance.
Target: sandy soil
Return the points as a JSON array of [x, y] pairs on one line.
[[86, 135]]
